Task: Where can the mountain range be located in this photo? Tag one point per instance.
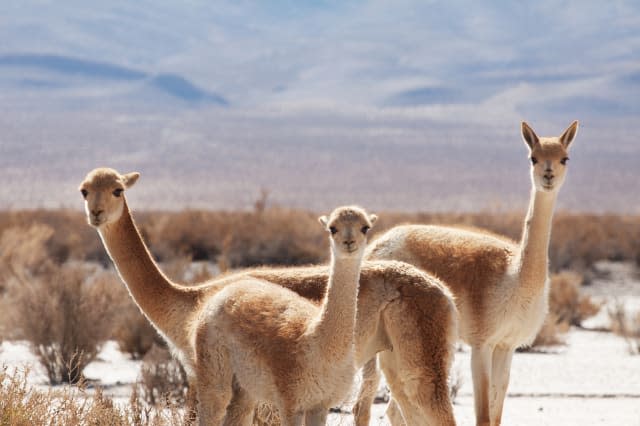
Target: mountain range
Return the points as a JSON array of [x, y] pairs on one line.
[[402, 102]]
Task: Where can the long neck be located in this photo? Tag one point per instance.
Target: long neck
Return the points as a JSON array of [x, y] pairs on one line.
[[165, 304], [337, 319], [534, 246]]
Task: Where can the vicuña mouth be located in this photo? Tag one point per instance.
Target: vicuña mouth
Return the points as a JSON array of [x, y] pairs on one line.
[[96, 222]]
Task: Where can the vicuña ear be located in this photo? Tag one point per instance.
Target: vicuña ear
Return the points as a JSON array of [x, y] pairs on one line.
[[130, 179], [373, 218], [529, 135], [569, 135], [324, 221]]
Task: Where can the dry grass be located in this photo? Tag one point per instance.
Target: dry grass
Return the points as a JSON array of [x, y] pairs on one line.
[[162, 378], [568, 306], [286, 236], [626, 325], [65, 311], [567, 303], [65, 316], [23, 405]]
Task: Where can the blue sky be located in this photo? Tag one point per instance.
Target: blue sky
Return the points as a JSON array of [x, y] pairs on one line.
[[458, 57]]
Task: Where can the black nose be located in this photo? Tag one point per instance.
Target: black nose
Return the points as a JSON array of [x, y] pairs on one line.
[[97, 213], [548, 176], [349, 243]]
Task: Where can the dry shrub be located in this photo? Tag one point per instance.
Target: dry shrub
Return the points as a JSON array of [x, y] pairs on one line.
[[626, 325], [567, 307], [566, 303], [270, 236], [133, 332], [66, 317], [23, 405], [162, 378], [62, 313], [285, 236], [552, 332]]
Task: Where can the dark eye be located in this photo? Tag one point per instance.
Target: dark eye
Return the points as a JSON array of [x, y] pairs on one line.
[[534, 160], [333, 230], [84, 193], [365, 229], [564, 160], [117, 192]]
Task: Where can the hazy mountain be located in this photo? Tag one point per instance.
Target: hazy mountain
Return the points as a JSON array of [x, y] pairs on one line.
[[408, 104]]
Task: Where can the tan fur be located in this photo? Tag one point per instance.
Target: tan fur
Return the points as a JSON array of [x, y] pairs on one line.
[[386, 303], [500, 287], [404, 313], [282, 348]]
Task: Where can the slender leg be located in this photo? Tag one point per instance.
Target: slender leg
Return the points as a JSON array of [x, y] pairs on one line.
[[292, 419], [316, 417], [394, 414], [481, 374], [214, 386], [368, 389], [420, 395], [214, 377], [501, 367], [241, 408]]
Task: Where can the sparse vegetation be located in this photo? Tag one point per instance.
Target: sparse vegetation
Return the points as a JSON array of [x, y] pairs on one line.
[[568, 306], [626, 325], [23, 405], [162, 378], [578, 240], [55, 276]]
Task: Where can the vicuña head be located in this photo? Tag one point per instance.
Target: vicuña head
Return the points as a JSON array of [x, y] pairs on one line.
[[103, 190], [548, 157], [348, 227]]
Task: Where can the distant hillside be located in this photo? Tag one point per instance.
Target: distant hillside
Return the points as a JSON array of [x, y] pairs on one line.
[[398, 106], [46, 73]]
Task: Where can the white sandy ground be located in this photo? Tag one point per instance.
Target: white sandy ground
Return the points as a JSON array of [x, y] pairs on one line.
[[593, 380]]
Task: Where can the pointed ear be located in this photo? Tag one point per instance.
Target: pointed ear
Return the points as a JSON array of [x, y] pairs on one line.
[[529, 135], [373, 218], [129, 179], [324, 221], [569, 135]]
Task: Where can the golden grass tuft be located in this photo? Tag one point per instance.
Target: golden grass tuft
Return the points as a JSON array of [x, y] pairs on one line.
[[23, 405]]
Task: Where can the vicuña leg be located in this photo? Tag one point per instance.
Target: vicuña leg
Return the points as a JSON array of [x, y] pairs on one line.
[[394, 414], [317, 417], [481, 363], [292, 419], [241, 409], [417, 369], [368, 389], [214, 386], [501, 366]]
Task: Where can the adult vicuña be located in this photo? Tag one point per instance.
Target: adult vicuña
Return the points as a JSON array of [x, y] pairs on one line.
[[394, 299], [279, 347], [500, 287]]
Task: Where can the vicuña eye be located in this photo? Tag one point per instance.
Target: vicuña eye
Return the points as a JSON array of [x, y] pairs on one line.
[[117, 192], [564, 160], [365, 229], [333, 230], [534, 160], [84, 193]]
